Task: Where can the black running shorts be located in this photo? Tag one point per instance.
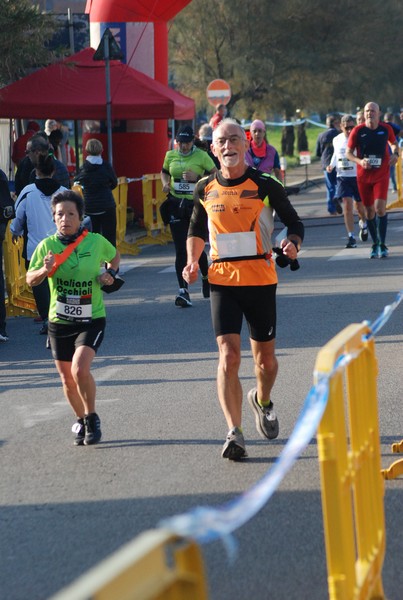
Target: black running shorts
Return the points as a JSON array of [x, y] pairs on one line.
[[257, 303], [65, 339]]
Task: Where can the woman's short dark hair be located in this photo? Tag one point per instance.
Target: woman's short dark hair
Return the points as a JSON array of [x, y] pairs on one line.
[[69, 196]]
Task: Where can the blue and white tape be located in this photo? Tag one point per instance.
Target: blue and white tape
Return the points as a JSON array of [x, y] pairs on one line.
[[206, 524]]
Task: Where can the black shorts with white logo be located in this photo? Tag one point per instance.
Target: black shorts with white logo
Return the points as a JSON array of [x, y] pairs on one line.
[[229, 304], [65, 339]]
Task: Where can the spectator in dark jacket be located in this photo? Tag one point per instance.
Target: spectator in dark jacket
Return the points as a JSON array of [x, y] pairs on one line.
[[324, 151], [25, 174], [98, 179], [20, 143]]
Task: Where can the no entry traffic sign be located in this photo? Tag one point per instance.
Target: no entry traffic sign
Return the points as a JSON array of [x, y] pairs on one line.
[[218, 92]]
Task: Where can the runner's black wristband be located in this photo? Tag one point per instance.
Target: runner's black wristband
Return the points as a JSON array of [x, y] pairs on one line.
[[111, 272]]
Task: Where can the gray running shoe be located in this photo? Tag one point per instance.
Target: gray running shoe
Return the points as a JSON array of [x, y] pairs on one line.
[[234, 446], [265, 417]]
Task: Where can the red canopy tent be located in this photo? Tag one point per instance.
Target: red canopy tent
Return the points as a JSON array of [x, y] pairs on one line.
[[75, 89]]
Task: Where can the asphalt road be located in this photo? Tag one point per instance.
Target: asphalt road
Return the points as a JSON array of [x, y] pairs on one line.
[[63, 508]]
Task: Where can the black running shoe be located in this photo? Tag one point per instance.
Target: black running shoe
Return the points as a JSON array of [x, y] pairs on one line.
[[44, 329], [92, 429], [351, 243], [338, 206], [183, 298], [363, 230], [79, 429]]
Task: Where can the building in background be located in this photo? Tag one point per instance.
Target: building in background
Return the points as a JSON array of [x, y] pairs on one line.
[[61, 6]]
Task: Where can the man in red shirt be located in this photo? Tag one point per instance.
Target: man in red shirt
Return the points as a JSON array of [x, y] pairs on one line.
[[218, 116], [368, 146]]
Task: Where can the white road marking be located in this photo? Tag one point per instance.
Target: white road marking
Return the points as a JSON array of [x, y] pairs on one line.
[[170, 269], [351, 253]]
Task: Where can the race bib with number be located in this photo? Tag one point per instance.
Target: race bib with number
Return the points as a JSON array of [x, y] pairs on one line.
[[375, 161], [183, 187], [345, 164], [242, 243], [74, 308]]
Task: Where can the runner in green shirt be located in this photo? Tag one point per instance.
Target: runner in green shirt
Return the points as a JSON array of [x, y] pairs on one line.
[[77, 312], [181, 170]]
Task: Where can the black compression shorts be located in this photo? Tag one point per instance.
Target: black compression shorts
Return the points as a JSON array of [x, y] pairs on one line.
[[65, 339], [257, 303]]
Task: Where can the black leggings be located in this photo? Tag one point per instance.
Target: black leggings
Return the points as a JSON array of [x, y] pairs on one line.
[[179, 230], [41, 294], [105, 224]]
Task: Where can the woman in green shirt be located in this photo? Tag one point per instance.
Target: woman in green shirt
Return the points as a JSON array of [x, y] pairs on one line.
[[71, 259], [181, 170]]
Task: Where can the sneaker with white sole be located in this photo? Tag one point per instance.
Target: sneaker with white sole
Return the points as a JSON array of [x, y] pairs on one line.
[[234, 446], [3, 335], [183, 298], [79, 430], [351, 243], [265, 418], [363, 230]]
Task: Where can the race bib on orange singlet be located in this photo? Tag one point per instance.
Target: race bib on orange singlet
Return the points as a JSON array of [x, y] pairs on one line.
[[242, 243]]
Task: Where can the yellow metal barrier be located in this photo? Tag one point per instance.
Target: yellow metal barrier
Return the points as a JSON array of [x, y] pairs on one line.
[[153, 197], [396, 468], [20, 300], [351, 480], [120, 195], [399, 202], [155, 566]]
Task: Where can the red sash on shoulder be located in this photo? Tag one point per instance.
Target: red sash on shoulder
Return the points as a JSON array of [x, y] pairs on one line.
[[63, 256]]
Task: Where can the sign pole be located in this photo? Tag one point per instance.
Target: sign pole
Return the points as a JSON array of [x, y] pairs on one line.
[[108, 99], [108, 49]]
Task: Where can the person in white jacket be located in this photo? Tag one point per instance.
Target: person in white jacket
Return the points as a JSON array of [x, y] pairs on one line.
[[347, 183]]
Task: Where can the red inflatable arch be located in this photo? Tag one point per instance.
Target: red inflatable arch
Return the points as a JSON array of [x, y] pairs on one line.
[[141, 29]]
